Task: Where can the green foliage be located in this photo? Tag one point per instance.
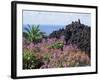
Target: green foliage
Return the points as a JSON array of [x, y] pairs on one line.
[[56, 45], [30, 61], [33, 33]]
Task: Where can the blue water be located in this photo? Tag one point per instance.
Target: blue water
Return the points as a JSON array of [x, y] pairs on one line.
[[48, 28]]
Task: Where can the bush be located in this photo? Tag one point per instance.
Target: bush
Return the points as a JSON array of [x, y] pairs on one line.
[[68, 59], [30, 61], [56, 45]]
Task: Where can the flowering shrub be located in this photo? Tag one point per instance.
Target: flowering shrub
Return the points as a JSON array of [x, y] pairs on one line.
[[67, 58], [41, 56]]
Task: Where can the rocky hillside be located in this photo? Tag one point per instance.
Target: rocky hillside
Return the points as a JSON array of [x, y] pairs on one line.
[[75, 33]]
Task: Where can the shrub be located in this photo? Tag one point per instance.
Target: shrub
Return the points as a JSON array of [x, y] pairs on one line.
[[30, 61], [56, 45], [68, 59]]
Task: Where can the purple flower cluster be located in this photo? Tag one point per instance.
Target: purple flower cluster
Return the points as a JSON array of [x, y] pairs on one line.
[[70, 56]]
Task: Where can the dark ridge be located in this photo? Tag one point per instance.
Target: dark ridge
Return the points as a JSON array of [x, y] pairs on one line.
[[75, 33]]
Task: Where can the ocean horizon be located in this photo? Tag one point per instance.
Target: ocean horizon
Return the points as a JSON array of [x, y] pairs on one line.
[[46, 28]]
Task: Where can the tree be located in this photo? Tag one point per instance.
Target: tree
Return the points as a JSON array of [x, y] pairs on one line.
[[32, 33]]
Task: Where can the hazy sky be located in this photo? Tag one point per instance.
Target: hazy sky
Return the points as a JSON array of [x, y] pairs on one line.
[[54, 18], [50, 21]]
